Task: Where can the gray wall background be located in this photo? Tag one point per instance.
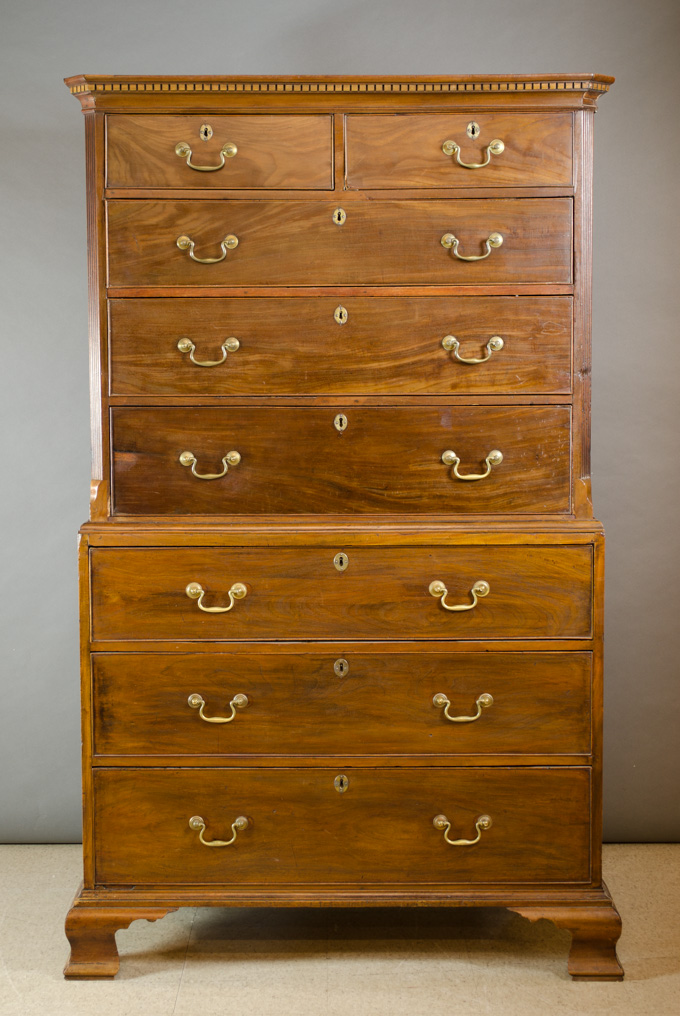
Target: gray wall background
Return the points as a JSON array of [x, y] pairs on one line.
[[43, 331]]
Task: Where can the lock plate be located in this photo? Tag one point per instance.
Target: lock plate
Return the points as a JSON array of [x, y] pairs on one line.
[[341, 783], [341, 668], [340, 422], [341, 561], [473, 129], [339, 216], [205, 132], [340, 314]]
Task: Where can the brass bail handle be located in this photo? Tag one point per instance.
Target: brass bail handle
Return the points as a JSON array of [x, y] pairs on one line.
[[496, 147], [183, 150], [186, 243], [482, 823], [451, 242], [452, 345], [494, 458], [198, 825], [230, 459], [439, 590], [442, 702], [229, 345], [197, 701], [195, 591]]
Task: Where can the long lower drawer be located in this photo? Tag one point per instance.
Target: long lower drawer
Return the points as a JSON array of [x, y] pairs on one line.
[[317, 703], [342, 826]]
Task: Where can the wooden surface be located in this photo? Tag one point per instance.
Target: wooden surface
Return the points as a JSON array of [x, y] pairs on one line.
[[387, 460], [388, 345], [406, 151], [298, 243]]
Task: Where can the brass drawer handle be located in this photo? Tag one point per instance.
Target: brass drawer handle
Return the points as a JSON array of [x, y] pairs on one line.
[[494, 458], [496, 147], [452, 345], [237, 826], [438, 589], [195, 591], [451, 243], [186, 243], [482, 824], [228, 346], [442, 702], [228, 151], [230, 459], [197, 701]]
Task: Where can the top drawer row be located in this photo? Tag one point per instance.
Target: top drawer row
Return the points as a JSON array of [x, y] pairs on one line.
[[385, 151]]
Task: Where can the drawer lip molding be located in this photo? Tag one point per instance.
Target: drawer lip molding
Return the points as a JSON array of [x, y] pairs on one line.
[[540, 825]]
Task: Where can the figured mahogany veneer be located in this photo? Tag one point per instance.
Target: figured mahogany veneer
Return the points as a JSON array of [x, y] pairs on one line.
[[387, 345], [297, 243]]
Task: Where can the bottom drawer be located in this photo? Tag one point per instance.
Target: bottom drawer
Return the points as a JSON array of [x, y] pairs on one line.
[[380, 829]]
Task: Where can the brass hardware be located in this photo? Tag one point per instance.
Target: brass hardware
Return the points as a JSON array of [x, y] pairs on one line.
[[183, 150], [230, 459], [228, 346], [494, 458], [473, 130], [197, 701], [195, 591], [451, 243], [496, 147], [198, 825], [340, 315], [341, 668], [341, 783], [452, 345], [206, 132], [482, 823], [438, 589], [186, 243], [341, 561], [340, 422], [339, 216], [483, 702]]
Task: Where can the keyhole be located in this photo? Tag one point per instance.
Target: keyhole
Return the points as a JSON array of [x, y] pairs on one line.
[[341, 561], [341, 783], [473, 129], [206, 132], [340, 314], [340, 422], [339, 216], [341, 668]]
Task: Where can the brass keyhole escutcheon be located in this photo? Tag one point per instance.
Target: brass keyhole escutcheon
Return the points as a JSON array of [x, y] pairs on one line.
[[341, 783], [339, 216], [473, 130], [341, 561], [341, 668], [340, 422], [340, 314], [206, 132]]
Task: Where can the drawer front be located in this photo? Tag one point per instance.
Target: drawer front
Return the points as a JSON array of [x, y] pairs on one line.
[[298, 243], [383, 345], [301, 830], [274, 152], [383, 593], [406, 151], [319, 703], [295, 461]]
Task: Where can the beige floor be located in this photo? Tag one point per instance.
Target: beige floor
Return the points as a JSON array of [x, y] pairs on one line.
[[337, 962]]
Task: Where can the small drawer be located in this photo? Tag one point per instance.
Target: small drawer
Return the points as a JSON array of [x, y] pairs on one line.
[[343, 460], [358, 703], [341, 345], [205, 152], [299, 829], [315, 593], [459, 150], [268, 242]]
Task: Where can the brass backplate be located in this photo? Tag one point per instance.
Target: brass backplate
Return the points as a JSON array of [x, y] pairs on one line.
[[341, 561], [341, 667], [473, 129], [341, 783], [205, 132], [340, 422]]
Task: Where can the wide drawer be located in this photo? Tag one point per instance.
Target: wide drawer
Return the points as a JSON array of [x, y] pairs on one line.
[[299, 243], [385, 460], [389, 151], [383, 593], [360, 703], [340, 345], [381, 829], [274, 152]]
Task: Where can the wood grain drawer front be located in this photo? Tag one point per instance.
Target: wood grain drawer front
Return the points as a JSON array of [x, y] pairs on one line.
[[384, 345], [273, 152], [391, 151], [294, 460], [317, 703], [301, 830], [297, 593], [298, 242]]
